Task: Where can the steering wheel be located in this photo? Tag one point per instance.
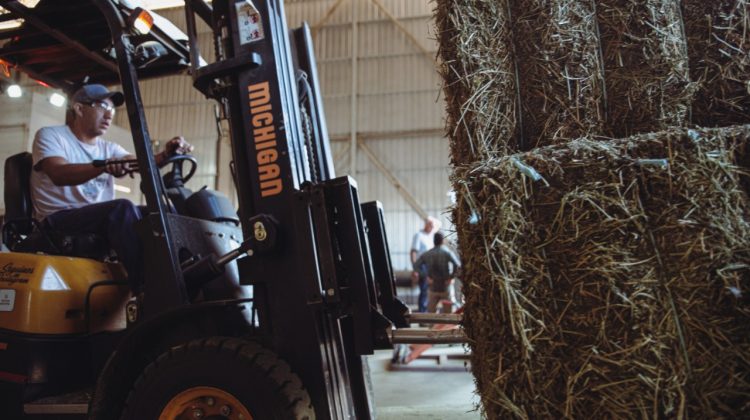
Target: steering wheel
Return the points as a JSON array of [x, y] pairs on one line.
[[174, 177]]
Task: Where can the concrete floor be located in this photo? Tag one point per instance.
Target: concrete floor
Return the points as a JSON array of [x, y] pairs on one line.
[[420, 390], [423, 389]]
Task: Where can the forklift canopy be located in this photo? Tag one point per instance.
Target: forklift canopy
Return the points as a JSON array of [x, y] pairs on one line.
[[62, 43]]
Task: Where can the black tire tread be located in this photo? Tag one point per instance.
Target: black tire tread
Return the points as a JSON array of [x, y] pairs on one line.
[[287, 385]]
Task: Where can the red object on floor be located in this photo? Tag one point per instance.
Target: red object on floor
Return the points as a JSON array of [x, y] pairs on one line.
[[416, 350]]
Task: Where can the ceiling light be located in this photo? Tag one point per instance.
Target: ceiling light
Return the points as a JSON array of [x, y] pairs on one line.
[[15, 23], [10, 24], [29, 3], [57, 100], [14, 91]]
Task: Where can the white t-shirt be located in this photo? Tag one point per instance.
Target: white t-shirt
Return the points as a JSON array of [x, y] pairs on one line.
[[59, 141], [423, 242]]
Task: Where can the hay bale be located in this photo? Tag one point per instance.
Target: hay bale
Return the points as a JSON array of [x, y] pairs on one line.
[[479, 74], [561, 83], [518, 74], [645, 65], [615, 286], [719, 50]]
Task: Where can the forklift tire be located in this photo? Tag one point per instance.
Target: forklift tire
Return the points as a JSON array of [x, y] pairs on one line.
[[218, 378]]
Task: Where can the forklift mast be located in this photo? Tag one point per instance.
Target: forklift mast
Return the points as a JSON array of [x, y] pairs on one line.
[[320, 291]]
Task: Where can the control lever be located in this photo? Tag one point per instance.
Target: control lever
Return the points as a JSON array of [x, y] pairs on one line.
[[129, 170]]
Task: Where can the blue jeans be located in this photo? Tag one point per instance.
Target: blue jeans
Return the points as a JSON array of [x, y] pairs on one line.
[[115, 221]]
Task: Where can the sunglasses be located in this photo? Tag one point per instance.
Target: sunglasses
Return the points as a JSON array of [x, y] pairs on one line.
[[104, 106]]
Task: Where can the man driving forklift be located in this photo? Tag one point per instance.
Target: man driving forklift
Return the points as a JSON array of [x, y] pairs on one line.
[[72, 182]]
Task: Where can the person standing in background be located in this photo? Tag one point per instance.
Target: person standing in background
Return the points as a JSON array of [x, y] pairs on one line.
[[442, 266], [423, 242]]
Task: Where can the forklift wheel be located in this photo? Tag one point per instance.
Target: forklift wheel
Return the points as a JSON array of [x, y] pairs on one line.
[[218, 378]]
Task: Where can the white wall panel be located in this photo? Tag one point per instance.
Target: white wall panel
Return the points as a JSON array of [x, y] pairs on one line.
[[421, 169], [384, 37], [335, 77], [314, 10], [338, 114], [400, 111], [396, 74]]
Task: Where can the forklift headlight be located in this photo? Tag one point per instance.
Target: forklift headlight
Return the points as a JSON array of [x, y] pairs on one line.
[[141, 20]]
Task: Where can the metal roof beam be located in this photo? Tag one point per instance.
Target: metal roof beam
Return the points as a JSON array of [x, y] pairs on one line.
[[380, 165], [20, 10], [404, 30], [44, 78]]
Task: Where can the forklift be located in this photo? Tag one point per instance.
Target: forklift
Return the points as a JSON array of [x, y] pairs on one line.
[[266, 311]]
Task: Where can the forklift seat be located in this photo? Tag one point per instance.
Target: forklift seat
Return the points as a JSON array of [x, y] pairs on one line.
[[18, 193], [21, 233]]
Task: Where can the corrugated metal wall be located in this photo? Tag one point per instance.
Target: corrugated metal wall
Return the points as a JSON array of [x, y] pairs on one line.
[[398, 105]]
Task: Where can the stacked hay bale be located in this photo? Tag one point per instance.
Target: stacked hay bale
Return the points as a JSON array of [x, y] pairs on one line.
[[560, 80], [479, 79], [605, 278], [523, 95], [646, 65], [616, 284], [718, 37]]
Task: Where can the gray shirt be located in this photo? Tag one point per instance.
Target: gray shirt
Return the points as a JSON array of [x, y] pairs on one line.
[[59, 141], [441, 267]]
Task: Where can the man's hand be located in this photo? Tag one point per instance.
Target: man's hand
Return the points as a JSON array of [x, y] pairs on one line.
[[177, 146], [120, 168], [414, 278]]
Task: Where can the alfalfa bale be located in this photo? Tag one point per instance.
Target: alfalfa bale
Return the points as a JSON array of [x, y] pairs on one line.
[[609, 279], [645, 64], [479, 78], [718, 35], [560, 77], [518, 74]]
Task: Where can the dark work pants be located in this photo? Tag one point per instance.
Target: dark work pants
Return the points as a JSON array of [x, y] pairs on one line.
[[113, 220]]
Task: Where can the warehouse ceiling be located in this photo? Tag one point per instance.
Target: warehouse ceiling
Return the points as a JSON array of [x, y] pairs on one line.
[[63, 44]]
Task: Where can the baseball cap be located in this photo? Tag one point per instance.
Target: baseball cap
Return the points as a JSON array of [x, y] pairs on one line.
[[96, 92]]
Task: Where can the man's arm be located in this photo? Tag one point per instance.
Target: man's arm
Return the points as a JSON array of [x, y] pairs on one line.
[[176, 145], [419, 261], [414, 248], [456, 264], [416, 262], [454, 259], [63, 173]]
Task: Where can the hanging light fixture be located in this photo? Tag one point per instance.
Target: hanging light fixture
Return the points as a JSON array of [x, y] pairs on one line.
[[14, 91], [57, 100]]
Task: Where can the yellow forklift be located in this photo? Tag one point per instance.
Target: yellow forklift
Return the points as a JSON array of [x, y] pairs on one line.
[[263, 312]]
